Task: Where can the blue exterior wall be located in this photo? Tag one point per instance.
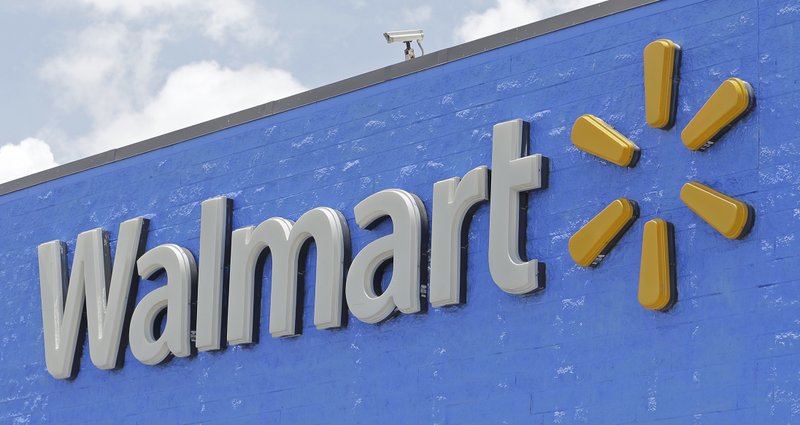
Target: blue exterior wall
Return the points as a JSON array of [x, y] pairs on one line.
[[581, 351]]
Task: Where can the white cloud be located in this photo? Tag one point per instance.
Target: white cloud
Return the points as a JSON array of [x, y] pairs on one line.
[[110, 72], [358, 4], [218, 18], [26, 157], [107, 69], [507, 14], [192, 93], [416, 16]]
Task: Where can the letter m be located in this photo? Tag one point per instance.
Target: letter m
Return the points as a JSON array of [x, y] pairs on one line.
[[104, 289]]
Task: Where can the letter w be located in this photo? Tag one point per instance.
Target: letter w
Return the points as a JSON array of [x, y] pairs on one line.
[[92, 279]]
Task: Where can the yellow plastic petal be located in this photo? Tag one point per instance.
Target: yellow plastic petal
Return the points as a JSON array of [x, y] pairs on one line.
[[731, 217], [730, 102], [661, 59], [592, 135], [657, 273], [592, 242]]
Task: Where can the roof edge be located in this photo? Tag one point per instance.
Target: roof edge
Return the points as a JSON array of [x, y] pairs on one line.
[[371, 78]]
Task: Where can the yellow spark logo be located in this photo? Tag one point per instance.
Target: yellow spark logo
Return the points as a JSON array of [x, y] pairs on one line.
[[730, 217]]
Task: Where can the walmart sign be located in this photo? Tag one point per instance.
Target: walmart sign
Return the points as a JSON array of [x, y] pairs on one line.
[[229, 259]]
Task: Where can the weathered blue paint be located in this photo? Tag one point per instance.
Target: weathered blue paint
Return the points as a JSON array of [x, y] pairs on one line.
[[581, 351]]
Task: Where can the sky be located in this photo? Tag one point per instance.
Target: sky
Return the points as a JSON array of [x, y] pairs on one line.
[[82, 77]]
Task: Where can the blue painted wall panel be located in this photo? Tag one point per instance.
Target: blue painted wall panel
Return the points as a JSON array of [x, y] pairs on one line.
[[581, 351]]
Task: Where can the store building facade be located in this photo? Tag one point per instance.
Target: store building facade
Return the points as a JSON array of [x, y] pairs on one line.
[[460, 205]]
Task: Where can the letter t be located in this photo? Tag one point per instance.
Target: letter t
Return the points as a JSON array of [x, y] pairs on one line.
[[512, 172]]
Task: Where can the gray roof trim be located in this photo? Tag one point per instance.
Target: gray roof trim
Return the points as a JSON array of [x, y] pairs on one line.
[[348, 85]]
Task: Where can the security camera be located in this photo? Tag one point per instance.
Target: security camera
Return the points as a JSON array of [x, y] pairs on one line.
[[403, 36], [407, 37]]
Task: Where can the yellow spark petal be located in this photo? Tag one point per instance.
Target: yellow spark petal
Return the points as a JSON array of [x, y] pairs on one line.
[[731, 217], [592, 135], [657, 274], [661, 59], [730, 102], [592, 242]]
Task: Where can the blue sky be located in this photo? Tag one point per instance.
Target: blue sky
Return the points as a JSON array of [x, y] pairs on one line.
[[85, 76]]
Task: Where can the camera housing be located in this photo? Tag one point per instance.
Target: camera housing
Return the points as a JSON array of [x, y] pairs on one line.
[[404, 36]]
